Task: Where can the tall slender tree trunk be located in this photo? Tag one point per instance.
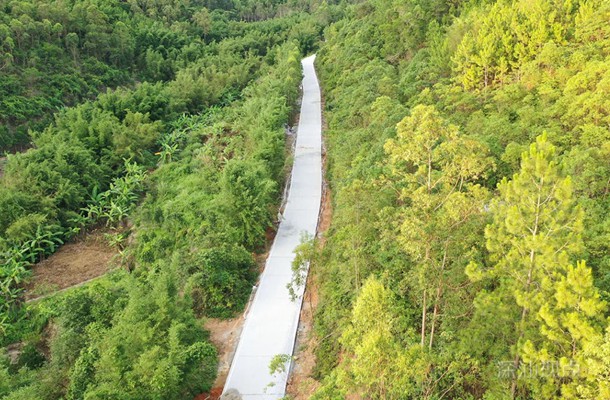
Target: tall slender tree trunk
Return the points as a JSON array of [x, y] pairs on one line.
[[434, 315], [513, 389], [355, 247], [427, 257], [423, 320], [439, 293]]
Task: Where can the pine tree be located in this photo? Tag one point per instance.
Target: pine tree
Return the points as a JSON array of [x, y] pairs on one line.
[[596, 384], [535, 234], [381, 359], [569, 321]]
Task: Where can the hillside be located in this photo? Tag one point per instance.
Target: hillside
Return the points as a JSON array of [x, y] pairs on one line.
[[59, 53], [182, 172], [466, 147], [468, 152]]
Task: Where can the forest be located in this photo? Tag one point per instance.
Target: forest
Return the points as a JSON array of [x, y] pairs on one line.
[[467, 146], [163, 123], [58, 53]]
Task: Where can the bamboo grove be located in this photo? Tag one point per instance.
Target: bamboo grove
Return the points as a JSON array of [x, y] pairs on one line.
[[184, 168]]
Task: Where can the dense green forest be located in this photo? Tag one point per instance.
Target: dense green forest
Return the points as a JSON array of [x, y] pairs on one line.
[[176, 143], [469, 169], [468, 149], [57, 53]]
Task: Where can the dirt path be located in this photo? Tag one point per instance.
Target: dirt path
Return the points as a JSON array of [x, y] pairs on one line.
[[73, 264]]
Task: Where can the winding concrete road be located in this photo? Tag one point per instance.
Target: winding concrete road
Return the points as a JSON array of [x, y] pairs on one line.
[[271, 323]]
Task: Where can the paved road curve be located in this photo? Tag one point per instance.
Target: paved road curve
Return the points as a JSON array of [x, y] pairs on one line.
[[271, 323]]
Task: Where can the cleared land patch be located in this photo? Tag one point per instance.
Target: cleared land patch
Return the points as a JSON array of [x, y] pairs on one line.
[[72, 264]]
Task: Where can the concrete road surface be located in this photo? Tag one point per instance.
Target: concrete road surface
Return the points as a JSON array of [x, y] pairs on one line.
[[271, 323]]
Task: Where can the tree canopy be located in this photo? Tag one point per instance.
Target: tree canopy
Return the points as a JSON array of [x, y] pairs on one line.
[[467, 145]]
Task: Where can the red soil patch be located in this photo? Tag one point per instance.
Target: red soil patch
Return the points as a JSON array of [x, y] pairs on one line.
[[73, 264], [213, 395], [224, 334], [300, 384]]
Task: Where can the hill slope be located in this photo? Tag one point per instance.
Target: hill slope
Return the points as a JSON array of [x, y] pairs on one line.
[[468, 254]]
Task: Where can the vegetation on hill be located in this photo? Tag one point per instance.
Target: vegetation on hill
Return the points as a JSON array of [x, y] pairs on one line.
[[185, 163], [58, 53], [468, 149], [468, 152]]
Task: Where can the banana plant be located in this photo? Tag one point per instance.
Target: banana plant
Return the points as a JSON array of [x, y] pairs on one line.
[[166, 153], [72, 232], [79, 220], [92, 211], [4, 322], [116, 239], [16, 252], [124, 192], [16, 271], [115, 213], [95, 196], [10, 292]]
